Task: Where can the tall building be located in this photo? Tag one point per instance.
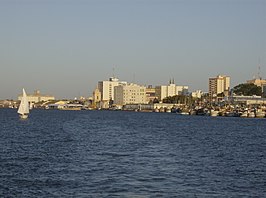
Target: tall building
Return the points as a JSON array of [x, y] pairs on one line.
[[130, 94], [150, 93], [218, 85], [164, 91], [96, 96], [264, 90], [107, 88]]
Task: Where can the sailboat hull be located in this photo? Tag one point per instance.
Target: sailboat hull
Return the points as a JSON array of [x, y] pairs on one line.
[[23, 116]]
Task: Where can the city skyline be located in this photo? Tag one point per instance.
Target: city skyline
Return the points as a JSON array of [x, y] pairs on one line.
[[64, 48]]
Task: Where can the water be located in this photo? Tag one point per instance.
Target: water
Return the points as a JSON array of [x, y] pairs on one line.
[[130, 154]]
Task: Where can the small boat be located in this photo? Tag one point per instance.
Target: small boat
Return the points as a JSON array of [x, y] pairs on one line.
[[23, 109], [156, 110], [251, 114], [72, 107], [184, 113], [259, 113], [244, 114], [232, 114], [168, 110], [214, 112], [203, 112]]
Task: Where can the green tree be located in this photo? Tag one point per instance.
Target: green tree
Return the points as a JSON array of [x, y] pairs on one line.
[[155, 100], [182, 99], [220, 94], [247, 90]]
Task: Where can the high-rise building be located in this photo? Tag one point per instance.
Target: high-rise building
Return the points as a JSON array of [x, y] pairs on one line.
[[130, 94], [107, 88], [96, 96], [263, 90], [218, 85]]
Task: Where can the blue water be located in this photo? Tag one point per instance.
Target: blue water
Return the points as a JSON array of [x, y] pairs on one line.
[[130, 154]]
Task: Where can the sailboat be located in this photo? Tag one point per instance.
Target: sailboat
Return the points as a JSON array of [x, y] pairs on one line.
[[23, 109]]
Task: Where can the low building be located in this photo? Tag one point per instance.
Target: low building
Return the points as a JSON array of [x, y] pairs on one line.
[[182, 90], [37, 97], [247, 100], [257, 81], [57, 105], [197, 94], [130, 94]]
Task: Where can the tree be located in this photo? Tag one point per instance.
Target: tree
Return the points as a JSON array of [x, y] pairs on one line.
[[221, 95], [182, 99], [247, 90], [156, 100]]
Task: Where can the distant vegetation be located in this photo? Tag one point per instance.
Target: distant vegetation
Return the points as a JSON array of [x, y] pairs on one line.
[[178, 99], [247, 90]]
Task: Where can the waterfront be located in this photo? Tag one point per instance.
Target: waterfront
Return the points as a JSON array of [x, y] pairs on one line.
[[130, 154]]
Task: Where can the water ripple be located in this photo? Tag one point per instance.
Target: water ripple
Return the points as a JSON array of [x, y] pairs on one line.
[[128, 154]]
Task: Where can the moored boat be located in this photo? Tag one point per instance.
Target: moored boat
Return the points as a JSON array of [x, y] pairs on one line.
[[214, 112], [251, 114], [244, 114], [259, 113]]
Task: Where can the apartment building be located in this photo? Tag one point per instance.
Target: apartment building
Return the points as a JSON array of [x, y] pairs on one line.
[[219, 84], [130, 94]]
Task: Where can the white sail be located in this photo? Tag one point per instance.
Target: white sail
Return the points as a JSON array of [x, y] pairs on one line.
[[24, 104]]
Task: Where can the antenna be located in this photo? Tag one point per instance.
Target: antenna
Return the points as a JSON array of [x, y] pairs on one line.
[[259, 77], [134, 76], [113, 71]]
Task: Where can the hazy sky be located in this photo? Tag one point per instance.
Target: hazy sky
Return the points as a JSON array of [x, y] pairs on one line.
[[64, 47]]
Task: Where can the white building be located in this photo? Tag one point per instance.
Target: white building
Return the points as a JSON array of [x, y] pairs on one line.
[[37, 97], [181, 90], [130, 94], [164, 91], [218, 85], [107, 88], [197, 94]]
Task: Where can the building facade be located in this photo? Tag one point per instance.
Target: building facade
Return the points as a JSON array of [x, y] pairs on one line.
[[106, 88], [164, 91], [181, 90], [197, 94], [219, 85], [97, 97], [37, 97], [150, 93], [130, 94], [257, 81], [263, 90]]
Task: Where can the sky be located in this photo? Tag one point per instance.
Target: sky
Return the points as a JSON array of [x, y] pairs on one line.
[[64, 47]]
